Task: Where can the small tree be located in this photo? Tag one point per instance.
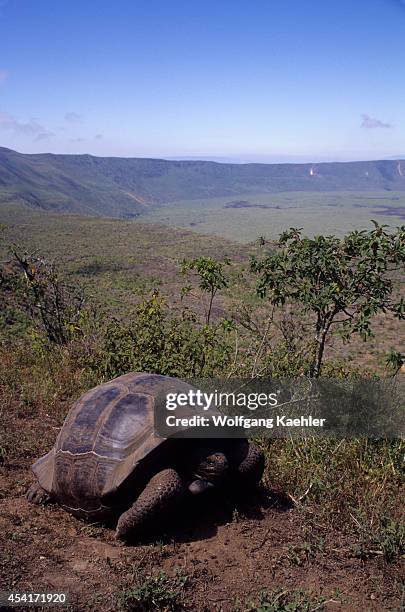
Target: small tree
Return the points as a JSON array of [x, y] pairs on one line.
[[211, 277], [34, 286], [343, 282], [395, 361]]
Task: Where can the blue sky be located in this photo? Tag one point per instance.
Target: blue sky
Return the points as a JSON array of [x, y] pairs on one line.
[[286, 80]]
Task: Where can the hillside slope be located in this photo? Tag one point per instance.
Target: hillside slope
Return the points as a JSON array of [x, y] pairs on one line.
[[123, 187]]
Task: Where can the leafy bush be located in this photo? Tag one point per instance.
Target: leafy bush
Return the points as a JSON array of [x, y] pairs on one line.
[[155, 340]]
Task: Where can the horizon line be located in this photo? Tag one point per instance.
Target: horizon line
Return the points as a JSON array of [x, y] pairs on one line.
[[214, 159]]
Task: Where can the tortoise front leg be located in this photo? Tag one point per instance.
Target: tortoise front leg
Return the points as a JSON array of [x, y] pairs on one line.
[[252, 467], [248, 462], [37, 495], [160, 495]]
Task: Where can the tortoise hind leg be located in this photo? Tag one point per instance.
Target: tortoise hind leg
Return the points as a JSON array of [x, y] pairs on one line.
[[37, 495], [160, 495]]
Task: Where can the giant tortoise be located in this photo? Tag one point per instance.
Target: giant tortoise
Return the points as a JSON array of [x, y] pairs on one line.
[[108, 462]]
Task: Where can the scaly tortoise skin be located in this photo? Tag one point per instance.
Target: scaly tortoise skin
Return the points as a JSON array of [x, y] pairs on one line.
[[107, 461]]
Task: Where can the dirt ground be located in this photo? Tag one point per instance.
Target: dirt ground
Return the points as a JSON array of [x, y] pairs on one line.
[[228, 550]]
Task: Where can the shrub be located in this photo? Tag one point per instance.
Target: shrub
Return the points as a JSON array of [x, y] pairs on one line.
[[154, 340]]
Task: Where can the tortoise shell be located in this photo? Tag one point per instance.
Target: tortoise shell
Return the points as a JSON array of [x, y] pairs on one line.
[[104, 442]]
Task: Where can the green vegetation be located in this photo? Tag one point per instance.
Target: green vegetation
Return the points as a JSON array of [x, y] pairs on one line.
[[37, 293], [341, 282], [281, 600], [158, 592], [156, 340], [352, 485], [388, 540], [395, 361], [211, 278], [271, 213], [116, 262], [119, 263]]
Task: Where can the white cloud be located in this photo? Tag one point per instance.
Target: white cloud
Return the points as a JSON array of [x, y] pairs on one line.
[[8, 122], [28, 128], [73, 117], [43, 136], [371, 123]]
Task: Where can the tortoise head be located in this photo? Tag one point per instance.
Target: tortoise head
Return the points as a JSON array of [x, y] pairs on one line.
[[209, 471]]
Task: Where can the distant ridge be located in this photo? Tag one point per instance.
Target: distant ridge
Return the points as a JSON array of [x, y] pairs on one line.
[[124, 187]]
